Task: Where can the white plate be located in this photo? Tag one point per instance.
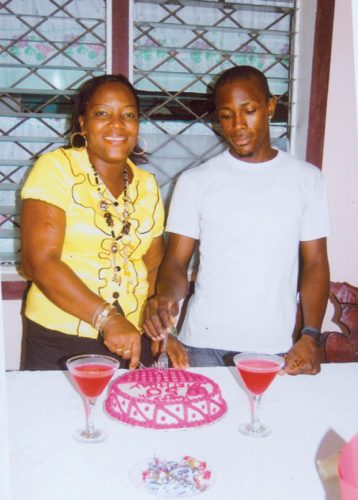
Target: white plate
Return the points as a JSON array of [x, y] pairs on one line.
[[175, 490]]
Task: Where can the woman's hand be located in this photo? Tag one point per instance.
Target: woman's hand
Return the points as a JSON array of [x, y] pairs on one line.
[[176, 351], [122, 338]]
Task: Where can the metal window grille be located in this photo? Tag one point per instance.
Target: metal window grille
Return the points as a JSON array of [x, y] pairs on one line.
[[48, 48], [179, 47]]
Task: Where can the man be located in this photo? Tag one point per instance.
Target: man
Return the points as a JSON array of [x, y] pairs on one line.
[[257, 213]]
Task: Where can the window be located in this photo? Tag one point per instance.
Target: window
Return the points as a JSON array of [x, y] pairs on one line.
[[178, 50], [49, 47]]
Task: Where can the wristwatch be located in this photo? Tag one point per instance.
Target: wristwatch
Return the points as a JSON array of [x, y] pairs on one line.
[[314, 333]]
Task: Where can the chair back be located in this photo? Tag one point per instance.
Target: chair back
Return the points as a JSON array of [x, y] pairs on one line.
[[342, 346]]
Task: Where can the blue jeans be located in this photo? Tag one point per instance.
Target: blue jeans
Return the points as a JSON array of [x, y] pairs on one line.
[[200, 356]]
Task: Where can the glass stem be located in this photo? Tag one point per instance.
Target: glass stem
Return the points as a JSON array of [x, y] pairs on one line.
[[89, 404], [255, 422]]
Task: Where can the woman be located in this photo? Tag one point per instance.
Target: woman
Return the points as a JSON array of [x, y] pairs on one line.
[[91, 234]]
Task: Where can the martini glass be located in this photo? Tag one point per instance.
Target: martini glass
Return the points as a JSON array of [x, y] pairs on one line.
[[257, 371], [91, 374]]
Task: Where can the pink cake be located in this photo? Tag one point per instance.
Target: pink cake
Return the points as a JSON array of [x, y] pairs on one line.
[[165, 399]]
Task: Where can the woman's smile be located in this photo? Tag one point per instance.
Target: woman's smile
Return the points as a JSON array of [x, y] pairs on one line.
[[115, 139]]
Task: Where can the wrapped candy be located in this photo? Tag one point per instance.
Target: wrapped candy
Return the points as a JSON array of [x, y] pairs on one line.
[[188, 476]]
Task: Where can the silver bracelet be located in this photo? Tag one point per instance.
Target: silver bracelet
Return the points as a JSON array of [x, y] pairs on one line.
[[102, 317], [100, 330], [97, 312]]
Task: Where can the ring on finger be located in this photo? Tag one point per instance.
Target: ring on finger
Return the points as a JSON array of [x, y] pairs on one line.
[[127, 351]]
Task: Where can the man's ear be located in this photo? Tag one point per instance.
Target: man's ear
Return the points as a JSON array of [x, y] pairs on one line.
[[271, 106]]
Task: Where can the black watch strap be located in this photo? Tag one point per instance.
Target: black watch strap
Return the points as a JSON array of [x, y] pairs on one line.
[[314, 333]]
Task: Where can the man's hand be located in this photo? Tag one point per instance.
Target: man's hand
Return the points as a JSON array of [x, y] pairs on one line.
[[303, 357], [176, 351], [159, 317]]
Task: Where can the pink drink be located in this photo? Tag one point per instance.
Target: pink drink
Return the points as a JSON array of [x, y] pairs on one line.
[[258, 374], [92, 378]]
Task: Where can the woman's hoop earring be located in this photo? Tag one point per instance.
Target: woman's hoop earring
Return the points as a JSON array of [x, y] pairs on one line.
[[143, 150], [77, 143]]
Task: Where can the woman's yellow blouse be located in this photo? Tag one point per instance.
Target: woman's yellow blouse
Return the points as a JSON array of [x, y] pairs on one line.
[[65, 178]]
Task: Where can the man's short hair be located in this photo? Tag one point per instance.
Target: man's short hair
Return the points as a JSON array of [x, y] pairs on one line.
[[243, 73]]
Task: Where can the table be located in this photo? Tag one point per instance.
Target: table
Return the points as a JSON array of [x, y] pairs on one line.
[[311, 417]]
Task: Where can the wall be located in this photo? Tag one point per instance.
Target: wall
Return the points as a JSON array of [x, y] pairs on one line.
[[13, 286], [340, 157], [302, 75], [355, 48], [5, 493]]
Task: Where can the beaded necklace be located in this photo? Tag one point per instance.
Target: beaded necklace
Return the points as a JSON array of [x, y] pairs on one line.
[[120, 243]]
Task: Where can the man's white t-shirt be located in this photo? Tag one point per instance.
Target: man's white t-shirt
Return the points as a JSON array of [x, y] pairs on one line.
[[249, 219]]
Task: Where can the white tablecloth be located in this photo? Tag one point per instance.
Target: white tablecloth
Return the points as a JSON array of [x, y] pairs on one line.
[[311, 417]]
